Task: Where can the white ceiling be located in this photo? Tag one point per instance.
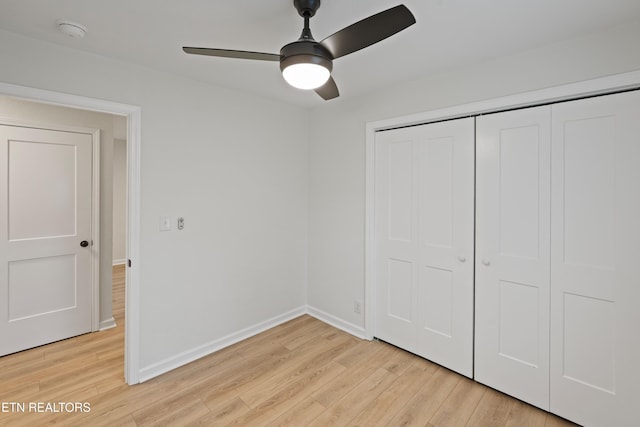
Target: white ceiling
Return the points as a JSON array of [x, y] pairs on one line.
[[448, 33]]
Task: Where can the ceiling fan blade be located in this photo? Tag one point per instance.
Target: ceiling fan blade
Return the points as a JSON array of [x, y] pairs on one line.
[[329, 90], [369, 31], [226, 53]]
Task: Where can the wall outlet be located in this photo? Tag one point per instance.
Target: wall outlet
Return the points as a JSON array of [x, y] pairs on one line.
[[357, 306]]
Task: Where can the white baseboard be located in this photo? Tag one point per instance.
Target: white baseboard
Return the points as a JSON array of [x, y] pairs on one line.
[[336, 322], [107, 324], [118, 262], [188, 356]]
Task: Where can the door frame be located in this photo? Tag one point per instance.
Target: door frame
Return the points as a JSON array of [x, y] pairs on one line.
[[132, 291], [95, 203], [587, 88]]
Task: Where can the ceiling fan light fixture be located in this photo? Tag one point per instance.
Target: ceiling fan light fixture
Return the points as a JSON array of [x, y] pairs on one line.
[[305, 64], [306, 75]]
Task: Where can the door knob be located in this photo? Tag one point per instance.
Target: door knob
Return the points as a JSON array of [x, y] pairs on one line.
[[461, 258], [486, 261], [84, 243]]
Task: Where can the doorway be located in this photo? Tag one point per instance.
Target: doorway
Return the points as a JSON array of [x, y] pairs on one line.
[[84, 105]]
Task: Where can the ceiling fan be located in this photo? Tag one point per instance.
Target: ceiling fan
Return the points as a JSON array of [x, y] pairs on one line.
[[306, 63]]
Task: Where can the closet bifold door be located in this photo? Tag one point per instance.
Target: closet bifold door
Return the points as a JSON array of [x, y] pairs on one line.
[[595, 260], [424, 178], [512, 253]]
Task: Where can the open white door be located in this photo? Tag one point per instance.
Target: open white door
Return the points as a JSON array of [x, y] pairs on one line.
[[46, 290]]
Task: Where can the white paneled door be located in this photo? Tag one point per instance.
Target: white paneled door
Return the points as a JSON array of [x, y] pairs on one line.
[[45, 236], [424, 210], [512, 250], [595, 260]]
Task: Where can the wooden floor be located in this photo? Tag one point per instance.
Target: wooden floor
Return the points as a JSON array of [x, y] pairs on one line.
[[301, 373]]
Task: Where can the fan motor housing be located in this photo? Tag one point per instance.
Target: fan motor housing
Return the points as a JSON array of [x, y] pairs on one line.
[[305, 51], [306, 7]]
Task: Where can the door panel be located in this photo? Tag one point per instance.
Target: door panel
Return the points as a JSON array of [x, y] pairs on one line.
[[446, 207], [436, 191], [435, 297], [48, 211], [595, 346], [400, 184], [518, 313], [424, 232], [518, 153], [51, 279], [45, 276], [400, 292], [512, 250], [397, 252]]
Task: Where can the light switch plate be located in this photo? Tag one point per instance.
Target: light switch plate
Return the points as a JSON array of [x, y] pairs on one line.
[[165, 223]]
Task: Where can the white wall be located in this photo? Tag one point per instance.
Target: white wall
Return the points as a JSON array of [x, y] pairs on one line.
[[119, 200], [256, 198], [37, 113], [337, 145], [221, 159]]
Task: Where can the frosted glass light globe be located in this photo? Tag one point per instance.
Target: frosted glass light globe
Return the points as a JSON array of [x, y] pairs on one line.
[[306, 76]]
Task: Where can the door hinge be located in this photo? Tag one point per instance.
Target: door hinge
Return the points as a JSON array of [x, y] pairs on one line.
[[129, 263]]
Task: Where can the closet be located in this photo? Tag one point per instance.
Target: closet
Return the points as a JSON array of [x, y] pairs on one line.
[[555, 253]]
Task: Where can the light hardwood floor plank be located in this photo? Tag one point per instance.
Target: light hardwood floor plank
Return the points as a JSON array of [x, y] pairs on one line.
[[460, 404], [320, 354], [370, 362], [388, 404], [287, 397], [347, 408], [424, 404], [496, 408], [223, 414], [302, 414]]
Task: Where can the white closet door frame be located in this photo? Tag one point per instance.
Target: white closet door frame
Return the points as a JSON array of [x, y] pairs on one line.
[[618, 82]]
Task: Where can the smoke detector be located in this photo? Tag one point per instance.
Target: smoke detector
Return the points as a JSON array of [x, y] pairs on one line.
[[72, 29]]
